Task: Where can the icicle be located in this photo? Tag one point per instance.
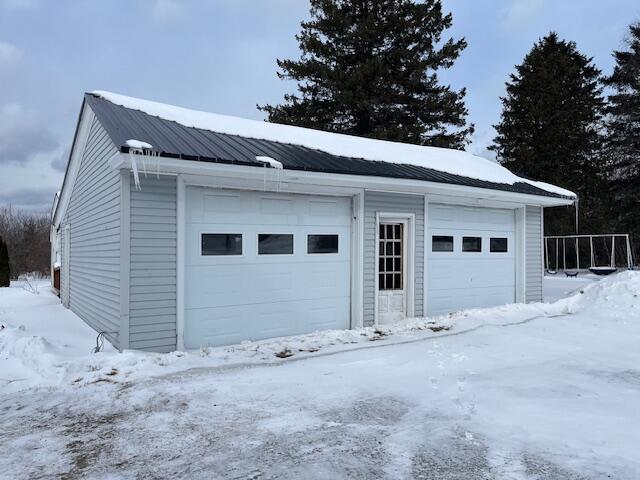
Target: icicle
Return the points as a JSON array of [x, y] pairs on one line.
[[134, 167], [136, 147], [144, 163]]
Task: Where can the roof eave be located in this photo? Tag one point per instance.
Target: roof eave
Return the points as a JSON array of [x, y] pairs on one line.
[[234, 170]]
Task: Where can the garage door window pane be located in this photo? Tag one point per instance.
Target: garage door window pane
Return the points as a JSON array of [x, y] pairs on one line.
[[322, 243], [221, 244], [498, 245], [471, 244], [441, 243], [275, 244]]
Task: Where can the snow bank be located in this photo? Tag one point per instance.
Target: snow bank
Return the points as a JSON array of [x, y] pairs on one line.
[[618, 295], [451, 161], [43, 344]]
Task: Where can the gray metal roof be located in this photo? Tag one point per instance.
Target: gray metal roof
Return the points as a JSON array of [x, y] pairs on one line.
[[172, 139]]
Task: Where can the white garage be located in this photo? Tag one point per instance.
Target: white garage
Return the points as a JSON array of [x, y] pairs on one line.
[[470, 259], [261, 265]]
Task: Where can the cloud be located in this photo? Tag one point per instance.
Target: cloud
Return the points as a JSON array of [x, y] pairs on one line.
[[59, 163], [34, 199], [22, 134], [519, 12], [9, 54]]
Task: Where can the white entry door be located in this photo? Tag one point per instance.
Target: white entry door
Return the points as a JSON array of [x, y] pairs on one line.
[[392, 270], [261, 265]]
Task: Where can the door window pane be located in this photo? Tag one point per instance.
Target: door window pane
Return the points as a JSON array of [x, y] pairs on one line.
[[390, 262], [471, 244], [498, 245], [440, 243], [322, 243], [221, 244], [275, 244]]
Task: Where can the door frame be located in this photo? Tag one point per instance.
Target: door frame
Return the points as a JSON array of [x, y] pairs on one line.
[[409, 258]]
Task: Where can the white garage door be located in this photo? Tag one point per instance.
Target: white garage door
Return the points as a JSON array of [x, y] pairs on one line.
[[471, 258], [261, 265]]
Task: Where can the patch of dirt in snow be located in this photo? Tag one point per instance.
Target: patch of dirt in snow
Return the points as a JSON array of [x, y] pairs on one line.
[[379, 411], [538, 468], [449, 453]]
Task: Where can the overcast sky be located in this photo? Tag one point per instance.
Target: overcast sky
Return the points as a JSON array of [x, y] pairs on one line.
[[219, 56]]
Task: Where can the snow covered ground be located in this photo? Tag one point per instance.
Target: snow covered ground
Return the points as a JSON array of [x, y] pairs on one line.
[[546, 391]]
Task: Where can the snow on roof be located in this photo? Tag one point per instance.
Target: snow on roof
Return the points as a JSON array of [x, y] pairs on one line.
[[138, 144], [272, 162], [451, 161]]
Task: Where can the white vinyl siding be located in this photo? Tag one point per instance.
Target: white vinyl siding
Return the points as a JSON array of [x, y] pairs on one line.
[[533, 252], [93, 216], [153, 274], [391, 203]]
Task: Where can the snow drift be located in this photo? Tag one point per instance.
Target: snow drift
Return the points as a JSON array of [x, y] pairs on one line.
[[40, 350]]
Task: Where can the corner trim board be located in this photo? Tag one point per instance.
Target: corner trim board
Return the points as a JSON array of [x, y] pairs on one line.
[[425, 296], [125, 257], [357, 260], [180, 260]]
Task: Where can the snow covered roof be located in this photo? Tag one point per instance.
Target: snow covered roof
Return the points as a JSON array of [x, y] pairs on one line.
[[181, 132]]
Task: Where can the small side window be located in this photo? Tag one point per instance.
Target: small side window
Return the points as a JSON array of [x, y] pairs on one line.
[[498, 245], [221, 244], [440, 243], [275, 244], [472, 244], [322, 243]]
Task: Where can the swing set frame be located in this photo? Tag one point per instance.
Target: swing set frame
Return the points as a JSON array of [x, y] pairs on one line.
[[564, 239]]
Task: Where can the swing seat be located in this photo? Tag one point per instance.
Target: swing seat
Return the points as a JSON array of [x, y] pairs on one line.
[[571, 273], [602, 270]]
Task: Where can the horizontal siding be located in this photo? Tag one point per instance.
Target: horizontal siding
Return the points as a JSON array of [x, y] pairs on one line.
[[395, 203], [533, 249], [152, 287], [93, 216]]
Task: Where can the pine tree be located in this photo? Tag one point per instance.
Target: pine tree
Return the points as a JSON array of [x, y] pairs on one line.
[[550, 129], [623, 135], [369, 68], [5, 271]]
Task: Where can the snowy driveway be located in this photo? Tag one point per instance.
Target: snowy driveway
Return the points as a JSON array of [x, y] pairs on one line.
[[551, 398]]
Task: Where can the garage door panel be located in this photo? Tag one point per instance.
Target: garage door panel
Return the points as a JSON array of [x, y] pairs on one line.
[[445, 275], [466, 218], [228, 284], [230, 298], [462, 299], [225, 325], [458, 280]]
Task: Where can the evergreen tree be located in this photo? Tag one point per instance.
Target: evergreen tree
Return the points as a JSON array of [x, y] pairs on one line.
[[369, 68], [5, 271], [550, 129], [623, 139]]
